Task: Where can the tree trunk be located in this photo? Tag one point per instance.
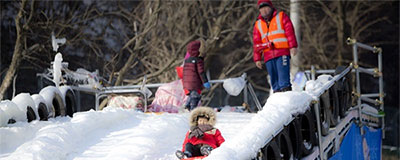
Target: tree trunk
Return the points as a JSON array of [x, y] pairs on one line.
[[340, 32], [294, 17], [17, 55]]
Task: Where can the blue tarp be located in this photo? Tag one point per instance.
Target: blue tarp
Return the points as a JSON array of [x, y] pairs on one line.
[[359, 147]]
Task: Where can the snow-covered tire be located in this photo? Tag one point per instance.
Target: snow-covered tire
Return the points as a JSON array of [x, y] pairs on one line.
[[325, 113], [308, 132], [53, 98], [41, 107], [4, 117], [12, 110], [285, 145], [271, 151], [26, 104], [296, 137], [343, 87], [69, 100]]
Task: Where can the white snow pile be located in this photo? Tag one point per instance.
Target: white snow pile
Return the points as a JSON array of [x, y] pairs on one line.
[[85, 78], [116, 133], [314, 87], [11, 111], [277, 111], [129, 133], [57, 75]]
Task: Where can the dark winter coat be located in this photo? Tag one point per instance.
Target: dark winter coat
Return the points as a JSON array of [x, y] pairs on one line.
[[193, 69], [204, 134], [274, 52]]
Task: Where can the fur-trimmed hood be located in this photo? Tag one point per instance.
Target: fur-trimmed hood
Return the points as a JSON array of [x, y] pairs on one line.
[[203, 111]]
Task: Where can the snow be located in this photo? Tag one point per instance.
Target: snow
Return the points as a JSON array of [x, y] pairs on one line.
[[48, 94], [55, 42], [113, 133], [85, 78], [4, 117], [276, 113], [116, 133], [23, 100], [13, 111], [37, 98], [57, 65]]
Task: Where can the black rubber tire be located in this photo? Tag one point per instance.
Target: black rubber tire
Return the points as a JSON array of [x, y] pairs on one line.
[[294, 130], [30, 114], [344, 90], [346, 100], [43, 112], [334, 106], [285, 145], [271, 151], [70, 103], [58, 105], [308, 131], [325, 113]]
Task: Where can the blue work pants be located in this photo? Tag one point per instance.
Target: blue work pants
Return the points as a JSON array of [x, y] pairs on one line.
[[279, 72]]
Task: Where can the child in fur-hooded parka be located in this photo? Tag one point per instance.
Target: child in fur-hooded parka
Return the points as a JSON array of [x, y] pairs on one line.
[[202, 136]]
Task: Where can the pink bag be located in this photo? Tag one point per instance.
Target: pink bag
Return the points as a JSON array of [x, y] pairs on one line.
[[169, 97]]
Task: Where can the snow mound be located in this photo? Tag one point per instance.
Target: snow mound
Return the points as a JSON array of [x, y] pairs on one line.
[[278, 111]]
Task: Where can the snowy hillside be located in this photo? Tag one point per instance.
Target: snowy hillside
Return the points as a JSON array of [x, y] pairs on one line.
[[126, 134]]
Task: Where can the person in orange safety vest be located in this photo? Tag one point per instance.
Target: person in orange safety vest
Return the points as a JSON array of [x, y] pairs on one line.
[[274, 39]]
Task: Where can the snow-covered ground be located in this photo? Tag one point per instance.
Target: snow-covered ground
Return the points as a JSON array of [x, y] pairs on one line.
[[125, 134], [108, 134]]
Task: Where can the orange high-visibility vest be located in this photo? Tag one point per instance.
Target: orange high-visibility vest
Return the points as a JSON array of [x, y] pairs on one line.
[[274, 32]]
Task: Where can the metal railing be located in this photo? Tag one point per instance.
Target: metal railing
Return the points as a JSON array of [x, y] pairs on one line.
[[355, 68], [140, 89], [377, 72]]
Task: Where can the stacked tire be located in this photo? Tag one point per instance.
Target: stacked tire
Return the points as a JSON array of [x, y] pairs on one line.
[[50, 102], [54, 101], [344, 91]]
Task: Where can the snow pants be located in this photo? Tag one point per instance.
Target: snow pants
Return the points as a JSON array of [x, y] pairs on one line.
[[279, 72], [193, 101], [195, 150]]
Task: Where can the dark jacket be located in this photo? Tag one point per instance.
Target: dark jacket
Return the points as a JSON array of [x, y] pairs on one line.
[[274, 52], [193, 69]]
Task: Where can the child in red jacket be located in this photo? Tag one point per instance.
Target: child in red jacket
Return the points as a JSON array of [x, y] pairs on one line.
[[202, 137]]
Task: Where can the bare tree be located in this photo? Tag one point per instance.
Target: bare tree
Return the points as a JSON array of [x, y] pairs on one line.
[[18, 49], [324, 35]]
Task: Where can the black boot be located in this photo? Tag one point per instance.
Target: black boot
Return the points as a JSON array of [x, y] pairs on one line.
[[286, 89], [206, 150], [194, 99], [183, 155]]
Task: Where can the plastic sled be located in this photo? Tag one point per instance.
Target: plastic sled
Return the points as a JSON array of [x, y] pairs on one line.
[[195, 158]]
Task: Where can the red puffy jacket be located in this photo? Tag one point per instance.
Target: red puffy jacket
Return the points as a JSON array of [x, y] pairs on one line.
[[274, 52], [212, 138]]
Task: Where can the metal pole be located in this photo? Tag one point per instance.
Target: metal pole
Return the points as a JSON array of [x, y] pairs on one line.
[[253, 94], [381, 94], [97, 101], [245, 94], [355, 56], [312, 72], [358, 94], [321, 150], [367, 47]]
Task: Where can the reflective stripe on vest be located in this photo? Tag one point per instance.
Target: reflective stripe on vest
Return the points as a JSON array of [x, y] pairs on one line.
[[277, 35]]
